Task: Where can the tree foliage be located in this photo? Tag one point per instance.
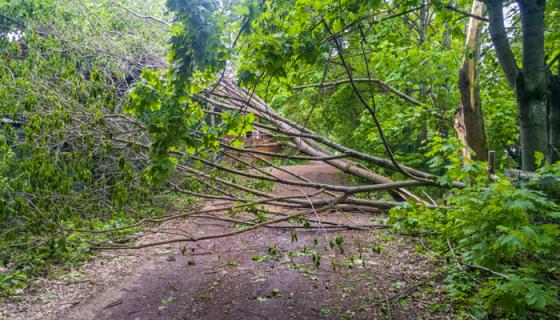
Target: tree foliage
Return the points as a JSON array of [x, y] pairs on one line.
[[61, 79]]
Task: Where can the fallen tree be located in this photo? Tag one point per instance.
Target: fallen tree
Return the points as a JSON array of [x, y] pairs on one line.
[[220, 180], [197, 173]]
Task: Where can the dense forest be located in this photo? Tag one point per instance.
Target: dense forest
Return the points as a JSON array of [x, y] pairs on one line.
[[407, 150]]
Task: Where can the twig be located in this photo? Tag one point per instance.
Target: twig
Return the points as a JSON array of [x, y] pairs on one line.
[[471, 265], [113, 304], [398, 296]]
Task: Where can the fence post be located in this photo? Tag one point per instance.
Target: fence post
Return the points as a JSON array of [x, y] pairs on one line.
[[491, 162]]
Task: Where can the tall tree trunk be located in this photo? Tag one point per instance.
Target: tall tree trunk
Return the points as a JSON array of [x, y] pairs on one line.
[[531, 85], [469, 120], [535, 88]]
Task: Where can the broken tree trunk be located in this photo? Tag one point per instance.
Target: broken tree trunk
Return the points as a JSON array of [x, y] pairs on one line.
[[469, 120]]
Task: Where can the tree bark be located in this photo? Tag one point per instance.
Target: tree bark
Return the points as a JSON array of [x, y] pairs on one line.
[[469, 120], [531, 85], [533, 124], [536, 90]]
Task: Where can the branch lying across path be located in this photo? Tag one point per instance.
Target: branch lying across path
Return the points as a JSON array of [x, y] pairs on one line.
[[184, 215], [292, 129], [262, 110], [239, 195], [345, 189], [294, 200], [231, 98], [236, 99], [347, 200], [322, 224], [285, 156], [227, 234]]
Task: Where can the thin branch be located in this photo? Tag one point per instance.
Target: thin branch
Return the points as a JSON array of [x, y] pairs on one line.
[[370, 109], [553, 61], [223, 235], [380, 83], [13, 21], [166, 24], [465, 13]]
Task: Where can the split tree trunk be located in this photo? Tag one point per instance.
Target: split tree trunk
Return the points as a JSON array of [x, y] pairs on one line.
[[469, 120]]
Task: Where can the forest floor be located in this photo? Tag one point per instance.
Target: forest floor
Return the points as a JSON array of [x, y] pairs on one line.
[[377, 275]]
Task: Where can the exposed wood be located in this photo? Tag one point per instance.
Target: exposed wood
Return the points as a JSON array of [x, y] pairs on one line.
[[469, 120], [491, 162]]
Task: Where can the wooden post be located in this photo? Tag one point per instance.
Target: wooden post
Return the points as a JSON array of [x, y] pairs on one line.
[[491, 162]]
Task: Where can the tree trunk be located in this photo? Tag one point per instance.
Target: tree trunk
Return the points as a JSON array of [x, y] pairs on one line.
[[469, 121], [535, 88], [533, 123], [531, 85]]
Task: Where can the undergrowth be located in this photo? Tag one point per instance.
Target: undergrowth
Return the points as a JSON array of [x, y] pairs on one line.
[[501, 244]]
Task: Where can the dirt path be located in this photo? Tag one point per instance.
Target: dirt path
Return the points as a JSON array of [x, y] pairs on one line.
[[265, 274]]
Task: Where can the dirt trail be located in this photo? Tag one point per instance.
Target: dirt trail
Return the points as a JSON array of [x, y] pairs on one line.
[[257, 275]]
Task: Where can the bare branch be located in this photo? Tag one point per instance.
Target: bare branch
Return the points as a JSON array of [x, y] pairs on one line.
[[466, 13]]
